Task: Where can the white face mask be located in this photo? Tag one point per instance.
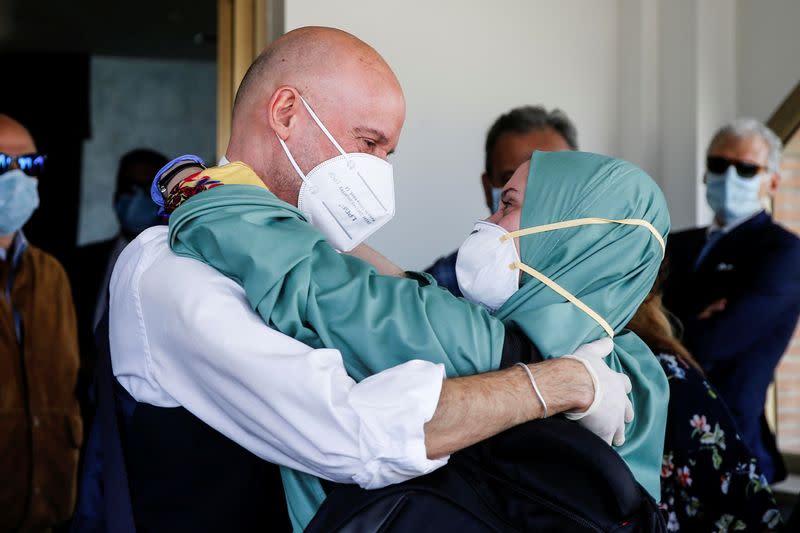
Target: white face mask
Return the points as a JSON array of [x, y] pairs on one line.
[[488, 265], [483, 266], [348, 197]]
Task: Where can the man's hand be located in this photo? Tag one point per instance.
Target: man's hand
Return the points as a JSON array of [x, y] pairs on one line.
[[611, 409], [713, 309]]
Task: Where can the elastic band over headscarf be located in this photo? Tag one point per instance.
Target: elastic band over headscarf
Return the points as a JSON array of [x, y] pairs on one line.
[[572, 224]]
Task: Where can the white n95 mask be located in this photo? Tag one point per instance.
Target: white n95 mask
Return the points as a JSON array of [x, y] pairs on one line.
[[483, 266], [348, 197], [488, 265]]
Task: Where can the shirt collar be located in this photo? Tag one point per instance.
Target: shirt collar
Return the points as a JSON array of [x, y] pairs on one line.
[[714, 227], [18, 245]]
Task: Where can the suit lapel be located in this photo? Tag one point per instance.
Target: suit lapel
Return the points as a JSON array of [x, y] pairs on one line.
[[729, 247]]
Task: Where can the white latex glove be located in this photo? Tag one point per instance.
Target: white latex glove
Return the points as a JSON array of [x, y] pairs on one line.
[[611, 408]]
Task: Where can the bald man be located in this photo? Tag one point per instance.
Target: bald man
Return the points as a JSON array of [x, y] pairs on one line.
[[215, 394], [41, 425]]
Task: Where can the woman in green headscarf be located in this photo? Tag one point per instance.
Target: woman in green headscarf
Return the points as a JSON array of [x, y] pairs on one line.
[[585, 235], [305, 289]]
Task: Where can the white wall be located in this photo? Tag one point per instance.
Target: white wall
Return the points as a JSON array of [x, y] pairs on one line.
[[646, 80], [461, 64], [697, 78], [169, 106], [768, 54]]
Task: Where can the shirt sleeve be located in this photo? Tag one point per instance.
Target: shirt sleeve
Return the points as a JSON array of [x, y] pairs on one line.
[[278, 398], [307, 290]]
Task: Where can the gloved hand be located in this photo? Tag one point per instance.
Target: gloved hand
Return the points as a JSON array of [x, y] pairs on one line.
[[611, 408]]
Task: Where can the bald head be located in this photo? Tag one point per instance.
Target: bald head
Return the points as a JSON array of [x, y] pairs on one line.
[[307, 59], [344, 80], [14, 140], [14, 137]]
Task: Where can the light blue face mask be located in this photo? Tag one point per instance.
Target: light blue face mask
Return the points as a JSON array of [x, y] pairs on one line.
[[19, 198], [496, 193], [731, 196], [136, 211]]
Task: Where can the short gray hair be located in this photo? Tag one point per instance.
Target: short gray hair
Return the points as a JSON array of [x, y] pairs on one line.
[[750, 127]]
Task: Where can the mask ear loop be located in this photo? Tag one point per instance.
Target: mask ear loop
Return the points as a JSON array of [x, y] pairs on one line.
[[571, 224], [322, 126], [586, 222], [566, 294], [316, 119], [291, 159]]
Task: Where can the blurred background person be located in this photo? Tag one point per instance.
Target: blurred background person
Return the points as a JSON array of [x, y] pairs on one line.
[[40, 420], [710, 480], [735, 285], [135, 213], [93, 263], [510, 142]]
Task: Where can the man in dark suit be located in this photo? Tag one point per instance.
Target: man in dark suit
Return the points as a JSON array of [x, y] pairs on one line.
[[735, 285], [510, 142], [93, 263]]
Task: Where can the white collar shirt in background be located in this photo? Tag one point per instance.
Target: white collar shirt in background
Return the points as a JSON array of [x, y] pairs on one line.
[[182, 334]]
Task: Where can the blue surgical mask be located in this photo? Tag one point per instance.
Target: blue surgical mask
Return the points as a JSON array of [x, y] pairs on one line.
[[19, 198], [496, 193], [136, 211], [731, 196]]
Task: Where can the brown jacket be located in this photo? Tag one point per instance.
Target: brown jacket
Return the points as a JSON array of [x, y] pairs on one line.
[[40, 424]]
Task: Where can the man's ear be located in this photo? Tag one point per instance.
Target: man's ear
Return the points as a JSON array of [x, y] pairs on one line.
[[772, 183], [487, 190], [282, 110]]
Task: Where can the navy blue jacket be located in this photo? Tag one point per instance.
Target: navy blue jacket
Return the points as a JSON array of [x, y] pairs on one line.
[[444, 272], [756, 268]]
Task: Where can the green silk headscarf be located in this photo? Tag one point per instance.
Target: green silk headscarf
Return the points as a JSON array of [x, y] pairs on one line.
[[610, 267]]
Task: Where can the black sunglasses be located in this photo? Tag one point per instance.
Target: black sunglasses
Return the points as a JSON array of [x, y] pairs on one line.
[[30, 164], [718, 165]]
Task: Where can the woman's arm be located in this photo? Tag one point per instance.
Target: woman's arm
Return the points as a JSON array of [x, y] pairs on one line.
[[381, 263]]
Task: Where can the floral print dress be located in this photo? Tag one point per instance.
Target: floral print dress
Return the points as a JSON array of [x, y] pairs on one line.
[[710, 482]]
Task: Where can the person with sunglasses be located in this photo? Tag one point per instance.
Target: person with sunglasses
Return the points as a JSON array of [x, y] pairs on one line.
[[735, 285], [40, 421]]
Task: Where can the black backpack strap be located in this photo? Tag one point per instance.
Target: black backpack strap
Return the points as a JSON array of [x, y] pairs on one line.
[[440, 501], [119, 511], [563, 463], [546, 475]]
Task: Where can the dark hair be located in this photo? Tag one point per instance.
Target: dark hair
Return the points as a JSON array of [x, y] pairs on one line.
[[144, 156], [530, 118]]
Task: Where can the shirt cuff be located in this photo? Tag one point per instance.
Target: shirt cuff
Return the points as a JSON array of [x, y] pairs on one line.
[[393, 407]]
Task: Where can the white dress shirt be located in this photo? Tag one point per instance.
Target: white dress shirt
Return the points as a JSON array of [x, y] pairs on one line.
[[182, 334]]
